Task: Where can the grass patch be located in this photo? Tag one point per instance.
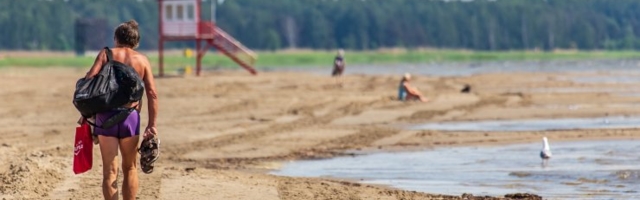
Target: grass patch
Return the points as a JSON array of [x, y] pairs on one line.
[[325, 58]]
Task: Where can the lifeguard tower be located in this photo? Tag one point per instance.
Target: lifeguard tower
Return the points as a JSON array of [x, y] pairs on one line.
[[180, 21]]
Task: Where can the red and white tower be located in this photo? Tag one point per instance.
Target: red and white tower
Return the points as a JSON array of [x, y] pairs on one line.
[[180, 21]]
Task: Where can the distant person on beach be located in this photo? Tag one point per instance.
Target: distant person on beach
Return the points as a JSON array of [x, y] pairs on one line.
[[338, 64], [124, 135], [406, 92]]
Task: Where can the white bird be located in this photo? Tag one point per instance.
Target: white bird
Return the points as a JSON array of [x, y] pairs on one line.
[[545, 154], [546, 150]]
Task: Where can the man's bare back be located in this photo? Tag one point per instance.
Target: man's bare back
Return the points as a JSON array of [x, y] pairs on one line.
[[127, 56], [132, 58]]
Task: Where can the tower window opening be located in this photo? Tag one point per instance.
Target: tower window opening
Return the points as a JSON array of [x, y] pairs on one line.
[[169, 12], [180, 12], [190, 13]]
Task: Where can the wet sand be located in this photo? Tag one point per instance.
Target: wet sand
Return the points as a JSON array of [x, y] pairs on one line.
[[223, 132]]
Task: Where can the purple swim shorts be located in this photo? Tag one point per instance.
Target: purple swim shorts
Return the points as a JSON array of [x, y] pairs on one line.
[[127, 128]]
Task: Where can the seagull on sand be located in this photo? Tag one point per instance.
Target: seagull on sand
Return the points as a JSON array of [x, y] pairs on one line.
[[545, 154]]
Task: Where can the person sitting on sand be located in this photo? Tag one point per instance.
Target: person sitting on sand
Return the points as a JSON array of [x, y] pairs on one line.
[[406, 92]]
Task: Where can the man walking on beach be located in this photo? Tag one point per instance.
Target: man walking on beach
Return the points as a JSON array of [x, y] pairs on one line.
[[123, 137]]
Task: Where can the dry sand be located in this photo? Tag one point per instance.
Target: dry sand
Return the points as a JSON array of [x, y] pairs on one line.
[[223, 132]]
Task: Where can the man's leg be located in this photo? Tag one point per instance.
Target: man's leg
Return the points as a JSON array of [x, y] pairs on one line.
[[109, 151], [128, 147], [417, 95]]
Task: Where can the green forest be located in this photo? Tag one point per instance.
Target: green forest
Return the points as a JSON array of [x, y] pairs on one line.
[[350, 24]]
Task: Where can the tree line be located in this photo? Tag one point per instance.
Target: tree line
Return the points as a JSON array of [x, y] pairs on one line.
[[349, 24]]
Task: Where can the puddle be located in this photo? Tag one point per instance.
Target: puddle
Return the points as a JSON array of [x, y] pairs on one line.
[[593, 169], [612, 77], [584, 106], [534, 125], [606, 79], [626, 94], [612, 90]]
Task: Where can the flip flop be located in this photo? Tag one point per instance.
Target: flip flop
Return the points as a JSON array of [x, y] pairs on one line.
[[149, 152]]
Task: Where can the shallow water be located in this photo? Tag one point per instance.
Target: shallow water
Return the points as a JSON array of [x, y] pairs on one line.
[[623, 91], [607, 78], [470, 68], [534, 124], [593, 169]]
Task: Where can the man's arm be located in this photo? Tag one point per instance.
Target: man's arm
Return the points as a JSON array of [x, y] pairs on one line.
[[152, 95]]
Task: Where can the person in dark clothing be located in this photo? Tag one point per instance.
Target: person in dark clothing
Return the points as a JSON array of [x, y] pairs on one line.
[[338, 64]]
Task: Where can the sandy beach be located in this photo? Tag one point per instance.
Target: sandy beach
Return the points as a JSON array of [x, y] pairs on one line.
[[223, 132]]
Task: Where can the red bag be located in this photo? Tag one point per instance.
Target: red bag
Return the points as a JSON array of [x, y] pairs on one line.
[[83, 149]]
